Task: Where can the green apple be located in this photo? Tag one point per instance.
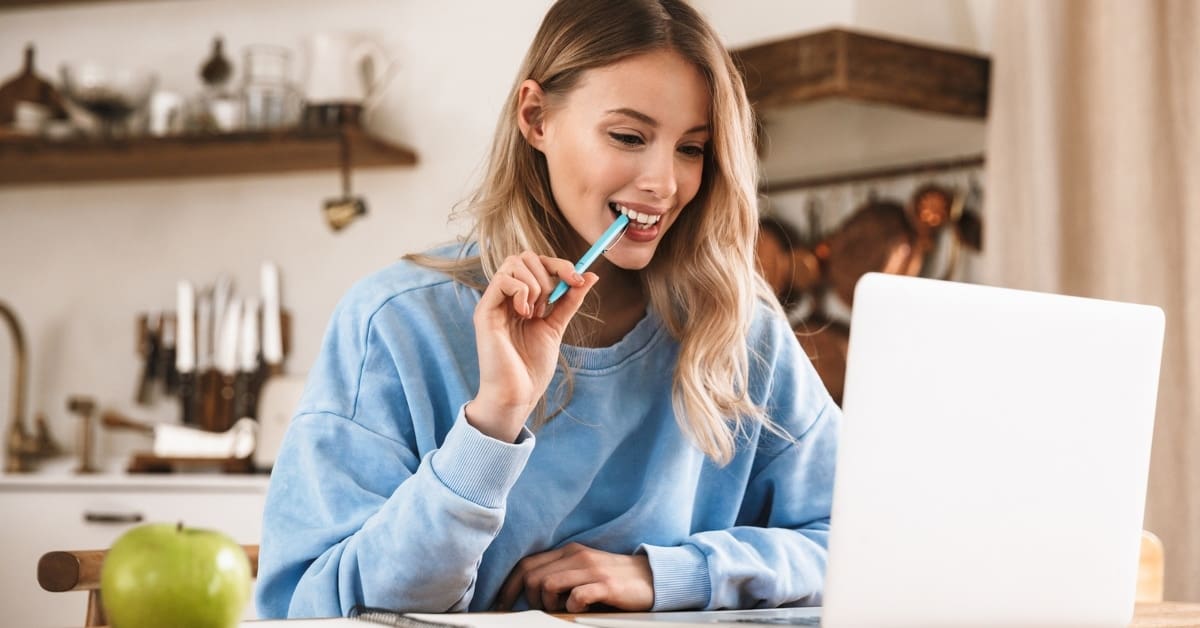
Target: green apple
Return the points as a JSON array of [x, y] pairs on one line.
[[163, 574]]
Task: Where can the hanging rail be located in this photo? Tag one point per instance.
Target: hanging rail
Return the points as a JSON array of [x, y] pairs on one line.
[[890, 172]]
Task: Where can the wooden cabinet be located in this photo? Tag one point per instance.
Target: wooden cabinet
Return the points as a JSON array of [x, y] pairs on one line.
[[839, 63], [839, 105], [41, 514]]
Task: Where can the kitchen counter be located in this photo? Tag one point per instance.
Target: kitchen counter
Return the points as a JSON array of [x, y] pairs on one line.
[[54, 508], [59, 474]]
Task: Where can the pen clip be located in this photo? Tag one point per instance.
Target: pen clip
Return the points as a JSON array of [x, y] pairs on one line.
[[617, 239]]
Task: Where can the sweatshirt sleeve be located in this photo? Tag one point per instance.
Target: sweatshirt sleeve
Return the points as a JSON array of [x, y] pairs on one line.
[[776, 554], [355, 515]]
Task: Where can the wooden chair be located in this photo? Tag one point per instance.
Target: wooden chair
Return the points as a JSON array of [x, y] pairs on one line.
[[79, 570], [1150, 569]]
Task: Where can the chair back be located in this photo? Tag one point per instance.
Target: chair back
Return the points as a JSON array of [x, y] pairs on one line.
[[79, 570]]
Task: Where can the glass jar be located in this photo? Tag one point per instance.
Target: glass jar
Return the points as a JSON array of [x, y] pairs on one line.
[[270, 100]]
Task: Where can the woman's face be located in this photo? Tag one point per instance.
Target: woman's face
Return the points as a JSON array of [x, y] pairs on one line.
[[629, 138]]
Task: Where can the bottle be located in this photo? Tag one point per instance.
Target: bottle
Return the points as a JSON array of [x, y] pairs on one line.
[[27, 100], [220, 110]]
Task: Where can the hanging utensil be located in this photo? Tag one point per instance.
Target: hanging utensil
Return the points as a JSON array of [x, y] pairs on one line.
[[340, 212]]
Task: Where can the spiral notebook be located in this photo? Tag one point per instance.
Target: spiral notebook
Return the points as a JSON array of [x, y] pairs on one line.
[[526, 619], [378, 617]]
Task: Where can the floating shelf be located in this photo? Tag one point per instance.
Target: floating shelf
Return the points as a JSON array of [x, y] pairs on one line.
[[30, 161], [838, 63], [5, 4]]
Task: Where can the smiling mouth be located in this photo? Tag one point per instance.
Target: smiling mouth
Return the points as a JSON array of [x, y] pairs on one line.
[[637, 220]]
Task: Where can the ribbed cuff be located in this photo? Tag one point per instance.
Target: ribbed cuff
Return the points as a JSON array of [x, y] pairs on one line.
[[478, 467], [680, 577]]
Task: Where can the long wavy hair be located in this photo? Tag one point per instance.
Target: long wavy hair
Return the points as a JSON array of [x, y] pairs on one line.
[[702, 281]]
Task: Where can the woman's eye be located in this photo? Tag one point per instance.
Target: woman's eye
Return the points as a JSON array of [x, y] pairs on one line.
[[627, 139], [692, 151]]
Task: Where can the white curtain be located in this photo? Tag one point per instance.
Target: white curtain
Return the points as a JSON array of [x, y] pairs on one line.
[[1094, 190]]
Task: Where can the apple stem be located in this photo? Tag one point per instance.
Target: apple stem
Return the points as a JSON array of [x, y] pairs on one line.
[[179, 527]]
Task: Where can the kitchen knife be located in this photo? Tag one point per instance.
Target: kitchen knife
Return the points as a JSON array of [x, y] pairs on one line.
[[244, 393], [272, 328], [204, 331], [185, 350], [151, 350]]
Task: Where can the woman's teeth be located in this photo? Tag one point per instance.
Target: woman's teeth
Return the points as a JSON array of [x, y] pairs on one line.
[[636, 219]]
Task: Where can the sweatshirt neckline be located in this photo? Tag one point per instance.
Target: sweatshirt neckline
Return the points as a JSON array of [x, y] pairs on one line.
[[597, 359]]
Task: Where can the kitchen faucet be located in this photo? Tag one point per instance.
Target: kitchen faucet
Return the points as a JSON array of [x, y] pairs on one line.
[[22, 448]]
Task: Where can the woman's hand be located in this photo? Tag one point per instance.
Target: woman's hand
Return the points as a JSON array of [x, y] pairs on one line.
[[574, 577], [518, 342]]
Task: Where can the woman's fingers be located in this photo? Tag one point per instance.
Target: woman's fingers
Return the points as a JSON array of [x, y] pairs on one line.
[[566, 307], [538, 269], [534, 292], [515, 583], [587, 594], [562, 270], [502, 288], [539, 275], [558, 585], [576, 576]]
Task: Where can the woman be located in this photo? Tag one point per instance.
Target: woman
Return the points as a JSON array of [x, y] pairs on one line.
[[684, 447]]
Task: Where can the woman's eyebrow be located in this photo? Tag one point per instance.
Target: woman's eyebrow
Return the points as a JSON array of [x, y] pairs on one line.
[[637, 115]]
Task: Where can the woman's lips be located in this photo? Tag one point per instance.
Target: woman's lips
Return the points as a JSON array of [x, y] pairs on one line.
[[636, 233]]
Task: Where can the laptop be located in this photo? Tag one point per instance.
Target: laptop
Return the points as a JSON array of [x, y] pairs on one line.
[[992, 465]]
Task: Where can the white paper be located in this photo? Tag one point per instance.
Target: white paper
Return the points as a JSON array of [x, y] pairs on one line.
[[335, 622], [524, 619], [177, 441]]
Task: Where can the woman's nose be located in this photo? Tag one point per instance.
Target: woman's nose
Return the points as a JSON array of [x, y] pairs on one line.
[[658, 176]]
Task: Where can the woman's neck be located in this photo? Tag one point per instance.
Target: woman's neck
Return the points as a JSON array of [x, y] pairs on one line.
[[622, 303]]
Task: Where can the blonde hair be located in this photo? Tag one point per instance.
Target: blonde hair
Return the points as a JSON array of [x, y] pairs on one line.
[[702, 281]]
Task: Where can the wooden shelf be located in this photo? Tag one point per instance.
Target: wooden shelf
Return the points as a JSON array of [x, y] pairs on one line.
[[839, 63], [28, 161], [4, 4]]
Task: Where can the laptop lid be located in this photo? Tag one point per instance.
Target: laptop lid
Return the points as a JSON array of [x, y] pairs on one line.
[[993, 460]]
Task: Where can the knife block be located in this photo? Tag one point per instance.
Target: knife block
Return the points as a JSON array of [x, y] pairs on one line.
[[210, 400]]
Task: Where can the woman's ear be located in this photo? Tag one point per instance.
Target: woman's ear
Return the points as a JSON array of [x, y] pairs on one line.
[[531, 102]]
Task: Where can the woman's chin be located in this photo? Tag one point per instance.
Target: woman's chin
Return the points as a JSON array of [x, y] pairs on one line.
[[631, 260]]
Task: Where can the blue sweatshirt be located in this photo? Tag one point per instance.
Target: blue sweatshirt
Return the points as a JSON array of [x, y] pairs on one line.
[[384, 495]]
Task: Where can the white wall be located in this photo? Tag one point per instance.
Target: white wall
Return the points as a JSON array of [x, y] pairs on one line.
[[79, 261]]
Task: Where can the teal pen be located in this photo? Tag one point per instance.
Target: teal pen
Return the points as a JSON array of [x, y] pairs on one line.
[[602, 245]]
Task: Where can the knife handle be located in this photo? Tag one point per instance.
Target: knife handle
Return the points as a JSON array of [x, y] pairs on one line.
[[187, 398], [245, 402], [149, 346]]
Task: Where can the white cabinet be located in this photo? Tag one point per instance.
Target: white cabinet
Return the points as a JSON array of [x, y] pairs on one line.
[[41, 514]]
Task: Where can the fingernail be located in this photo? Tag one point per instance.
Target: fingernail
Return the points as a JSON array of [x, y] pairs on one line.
[[577, 278]]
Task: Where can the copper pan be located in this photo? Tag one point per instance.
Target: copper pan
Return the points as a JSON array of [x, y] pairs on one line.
[[827, 343], [877, 237]]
